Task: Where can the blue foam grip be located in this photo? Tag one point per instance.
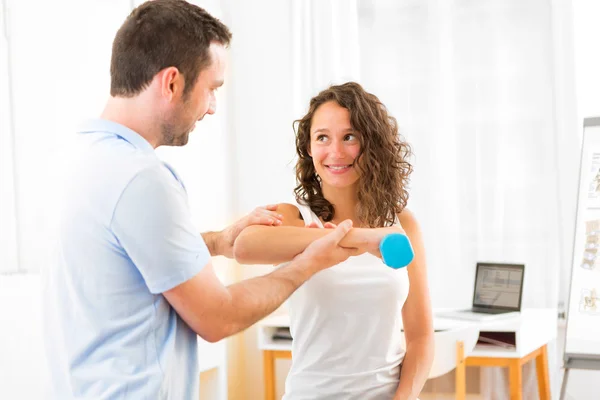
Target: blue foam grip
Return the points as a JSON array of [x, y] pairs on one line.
[[396, 250]]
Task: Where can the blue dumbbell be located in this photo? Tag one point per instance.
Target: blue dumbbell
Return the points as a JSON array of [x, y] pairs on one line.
[[396, 250]]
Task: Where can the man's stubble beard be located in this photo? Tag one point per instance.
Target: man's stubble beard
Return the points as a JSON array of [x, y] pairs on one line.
[[170, 139], [171, 134]]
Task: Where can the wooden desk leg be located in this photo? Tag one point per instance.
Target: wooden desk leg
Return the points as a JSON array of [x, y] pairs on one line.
[[515, 379], [269, 374], [541, 366], [461, 372]]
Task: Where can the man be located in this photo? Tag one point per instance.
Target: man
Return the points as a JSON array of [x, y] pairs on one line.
[[133, 283]]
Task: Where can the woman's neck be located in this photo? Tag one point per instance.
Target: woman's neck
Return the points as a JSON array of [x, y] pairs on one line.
[[344, 201]]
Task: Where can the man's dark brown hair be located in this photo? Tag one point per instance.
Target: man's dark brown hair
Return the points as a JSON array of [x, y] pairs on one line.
[[382, 162], [160, 34]]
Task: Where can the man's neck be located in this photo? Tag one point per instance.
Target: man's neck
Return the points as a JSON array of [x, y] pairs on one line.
[[135, 114]]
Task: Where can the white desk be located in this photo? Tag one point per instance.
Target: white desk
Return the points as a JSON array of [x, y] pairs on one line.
[[532, 331]]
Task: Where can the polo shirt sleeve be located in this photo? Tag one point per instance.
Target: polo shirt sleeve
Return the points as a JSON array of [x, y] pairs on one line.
[[152, 223]]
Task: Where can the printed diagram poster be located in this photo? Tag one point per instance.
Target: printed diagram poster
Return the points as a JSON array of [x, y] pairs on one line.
[[589, 303], [591, 258], [593, 196]]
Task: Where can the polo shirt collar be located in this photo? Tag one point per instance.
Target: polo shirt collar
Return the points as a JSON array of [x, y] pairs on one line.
[[103, 125]]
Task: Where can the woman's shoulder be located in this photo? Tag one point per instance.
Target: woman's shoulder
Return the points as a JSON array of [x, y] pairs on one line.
[[291, 214], [288, 208], [407, 219]]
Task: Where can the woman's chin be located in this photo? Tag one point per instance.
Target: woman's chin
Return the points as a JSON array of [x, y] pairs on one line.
[[340, 183]]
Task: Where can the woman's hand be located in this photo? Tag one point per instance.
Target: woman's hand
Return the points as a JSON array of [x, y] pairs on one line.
[[374, 236], [327, 225]]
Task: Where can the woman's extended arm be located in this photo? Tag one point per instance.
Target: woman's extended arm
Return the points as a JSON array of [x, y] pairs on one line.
[[278, 244], [416, 314]]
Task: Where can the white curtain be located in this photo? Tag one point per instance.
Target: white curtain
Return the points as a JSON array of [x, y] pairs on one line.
[[474, 87], [325, 47]]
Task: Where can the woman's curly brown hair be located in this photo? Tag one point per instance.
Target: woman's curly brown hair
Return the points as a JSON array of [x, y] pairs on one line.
[[382, 162]]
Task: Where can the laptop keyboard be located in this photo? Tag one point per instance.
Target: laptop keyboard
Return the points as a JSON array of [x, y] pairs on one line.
[[489, 311]]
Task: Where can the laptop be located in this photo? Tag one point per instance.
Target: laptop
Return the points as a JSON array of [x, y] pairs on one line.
[[497, 293]]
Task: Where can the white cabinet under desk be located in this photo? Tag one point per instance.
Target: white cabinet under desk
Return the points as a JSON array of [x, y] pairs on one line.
[[529, 331]]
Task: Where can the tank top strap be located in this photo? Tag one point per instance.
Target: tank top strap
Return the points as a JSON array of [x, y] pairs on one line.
[[307, 214]]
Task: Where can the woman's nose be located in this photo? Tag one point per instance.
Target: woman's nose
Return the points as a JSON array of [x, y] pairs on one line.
[[337, 149]]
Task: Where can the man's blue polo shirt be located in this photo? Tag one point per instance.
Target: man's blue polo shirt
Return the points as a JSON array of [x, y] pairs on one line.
[[125, 236]]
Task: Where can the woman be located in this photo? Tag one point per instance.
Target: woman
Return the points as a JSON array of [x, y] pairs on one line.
[[345, 321]]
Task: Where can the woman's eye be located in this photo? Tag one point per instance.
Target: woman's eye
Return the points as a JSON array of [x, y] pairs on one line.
[[350, 136], [321, 138]]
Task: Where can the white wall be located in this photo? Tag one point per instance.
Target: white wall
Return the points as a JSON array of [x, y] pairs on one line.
[[587, 61]]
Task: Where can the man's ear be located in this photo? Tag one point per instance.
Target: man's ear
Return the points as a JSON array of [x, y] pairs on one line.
[[171, 83]]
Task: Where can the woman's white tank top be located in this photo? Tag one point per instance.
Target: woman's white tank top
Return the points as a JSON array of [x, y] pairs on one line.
[[346, 327]]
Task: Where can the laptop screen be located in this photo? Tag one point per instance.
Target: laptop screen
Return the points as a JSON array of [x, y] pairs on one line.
[[499, 286]]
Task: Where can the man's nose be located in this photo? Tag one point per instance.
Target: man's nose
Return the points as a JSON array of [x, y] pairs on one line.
[[212, 107]]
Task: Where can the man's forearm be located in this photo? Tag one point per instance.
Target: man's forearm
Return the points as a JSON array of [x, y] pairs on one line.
[[213, 241], [254, 299], [415, 368]]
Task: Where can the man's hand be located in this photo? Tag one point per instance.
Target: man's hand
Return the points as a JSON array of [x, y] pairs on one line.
[[260, 216], [369, 237], [326, 251]]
